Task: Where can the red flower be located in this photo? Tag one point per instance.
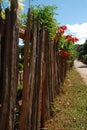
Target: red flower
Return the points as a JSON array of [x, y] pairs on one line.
[[74, 39], [69, 37], [61, 29], [64, 53]]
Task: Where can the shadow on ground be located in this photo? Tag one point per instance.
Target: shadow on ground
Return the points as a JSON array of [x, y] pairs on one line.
[[82, 67]]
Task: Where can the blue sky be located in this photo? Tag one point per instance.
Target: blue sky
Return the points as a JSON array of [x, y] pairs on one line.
[[72, 13]]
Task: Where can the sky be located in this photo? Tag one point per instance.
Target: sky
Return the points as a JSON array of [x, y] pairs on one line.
[[72, 13]]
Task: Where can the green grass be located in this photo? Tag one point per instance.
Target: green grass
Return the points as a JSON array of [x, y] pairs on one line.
[[70, 106]]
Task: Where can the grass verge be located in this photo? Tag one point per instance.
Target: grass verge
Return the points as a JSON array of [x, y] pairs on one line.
[[70, 106]]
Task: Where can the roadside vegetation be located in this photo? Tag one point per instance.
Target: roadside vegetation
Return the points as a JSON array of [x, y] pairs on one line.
[[70, 106], [82, 52]]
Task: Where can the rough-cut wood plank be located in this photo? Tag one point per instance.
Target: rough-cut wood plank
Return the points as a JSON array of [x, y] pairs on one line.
[[39, 97], [23, 116], [35, 119], [47, 104], [31, 81], [5, 76], [44, 80], [49, 82], [0, 59], [10, 65], [13, 62]]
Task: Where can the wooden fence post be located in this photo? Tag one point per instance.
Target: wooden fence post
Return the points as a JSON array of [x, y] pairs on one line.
[[37, 95], [0, 57], [23, 115], [44, 78], [9, 64], [14, 39], [5, 75]]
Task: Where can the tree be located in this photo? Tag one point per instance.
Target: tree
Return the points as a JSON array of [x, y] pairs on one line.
[[82, 52]]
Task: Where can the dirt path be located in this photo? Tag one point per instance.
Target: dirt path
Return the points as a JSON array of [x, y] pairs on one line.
[[82, 69]]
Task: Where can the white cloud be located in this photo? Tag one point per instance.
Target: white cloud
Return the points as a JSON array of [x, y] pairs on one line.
[[79, 31]]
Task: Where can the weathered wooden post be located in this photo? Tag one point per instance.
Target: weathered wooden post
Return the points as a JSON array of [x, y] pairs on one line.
[[9, 63], [14, 37], [23, 115], [0, 53]]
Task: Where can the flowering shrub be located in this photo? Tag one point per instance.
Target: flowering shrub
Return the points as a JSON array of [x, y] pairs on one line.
[[65, 43]]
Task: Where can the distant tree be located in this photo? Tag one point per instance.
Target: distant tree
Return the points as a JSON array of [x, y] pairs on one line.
[[82, 52]]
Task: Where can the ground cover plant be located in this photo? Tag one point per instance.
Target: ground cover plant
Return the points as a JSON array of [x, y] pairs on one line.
[[70, 106]]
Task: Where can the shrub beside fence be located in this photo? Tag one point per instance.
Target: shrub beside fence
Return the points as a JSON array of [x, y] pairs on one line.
[[42, 77]]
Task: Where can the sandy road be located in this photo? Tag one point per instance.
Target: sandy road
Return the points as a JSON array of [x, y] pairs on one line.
[[82, 69]]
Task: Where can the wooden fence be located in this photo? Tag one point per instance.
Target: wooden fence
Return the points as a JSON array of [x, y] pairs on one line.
[[44, 73]]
